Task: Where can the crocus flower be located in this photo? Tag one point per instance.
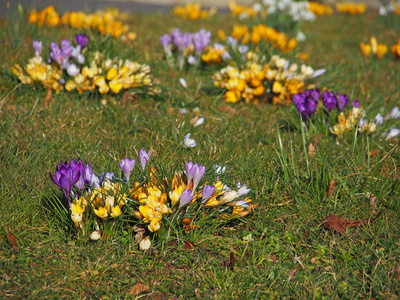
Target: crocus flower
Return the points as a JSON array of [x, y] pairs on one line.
[[37, 47], [190, 171], [185, 198], [243, 190], [231, 41], [394, 114], [199, 122], [127, 166], [183, 83], [67, 175], [188, 142], [165, 40], [307, 102], [56, 53], [201, 40], [66, 49], [393, 132], [342, 101], [144, 157], [379, 120], [329, 100], [192, 60], [197, 175], [73, 70], [356, 104], [82, 40], [243, 49], [182, 40], [208, 191]]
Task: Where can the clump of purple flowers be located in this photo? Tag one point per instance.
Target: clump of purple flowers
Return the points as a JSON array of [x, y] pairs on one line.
[[187, 45], [306, 102]]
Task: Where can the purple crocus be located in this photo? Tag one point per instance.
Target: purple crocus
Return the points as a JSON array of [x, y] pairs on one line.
[[37, 47], [198, 174], [82, 40], [329, 100], [208, 191], [88, 174], [61, 56], [189, 172], [127, 166], [306, 102], [144, 157], [56, 53], [379, 120], [165, 40], [342, 101], [356, 104], [201, 40], [181, 40], [186, 198], [67, 175]]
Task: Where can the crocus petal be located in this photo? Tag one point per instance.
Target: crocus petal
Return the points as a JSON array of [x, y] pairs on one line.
[[186, 198]]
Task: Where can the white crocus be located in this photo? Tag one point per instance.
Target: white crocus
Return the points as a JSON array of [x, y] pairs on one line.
[[183, 83], [188, 142], [72, 70], [199, 122]]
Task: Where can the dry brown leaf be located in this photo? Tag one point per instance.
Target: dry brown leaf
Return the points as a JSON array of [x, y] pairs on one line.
[[228, 109], [374, 153], [232, 261], [292, 273], [13, 241], [48, 98], [139, 288], [397, 271], [311, 150], [331, 188], [338, 224], [128, 97], [189, 245], [140, 232], [314, 260]]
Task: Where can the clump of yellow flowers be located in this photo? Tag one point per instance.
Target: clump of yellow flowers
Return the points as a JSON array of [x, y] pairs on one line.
[[242, 11], [104, 21], [351, 8], [320, 9], [151, 201], [69, 68], [273, 81], [110, 75], [261, 32], [193, 11], [379, 50]]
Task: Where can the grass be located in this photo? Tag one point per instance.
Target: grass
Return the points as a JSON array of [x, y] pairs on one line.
[[258, 148]]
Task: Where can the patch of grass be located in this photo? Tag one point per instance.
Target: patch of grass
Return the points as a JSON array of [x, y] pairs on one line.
[[272, 160]]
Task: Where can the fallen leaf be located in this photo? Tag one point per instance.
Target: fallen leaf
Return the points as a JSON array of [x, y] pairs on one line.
[[139, 288], [338, 224], [292, 273], [13, 241], [228, 109], [189, 245], [48, 98], [397, 271], [232, 261], [331, 188], [140, 232], [128, 97], [374, 153], [311, 150]]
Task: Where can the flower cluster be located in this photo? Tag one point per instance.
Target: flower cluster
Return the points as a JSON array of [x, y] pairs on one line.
[[379, 50], [103, 21], [351, 8], [154, 201], [262, 32], [392, 6], [188, 46], [68, 67], [320, 9], [297, 10], [244, 12], [215, 54], [276, 80], [193, 12]]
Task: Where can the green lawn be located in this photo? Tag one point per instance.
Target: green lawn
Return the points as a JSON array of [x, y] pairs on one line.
[[281, 250]]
